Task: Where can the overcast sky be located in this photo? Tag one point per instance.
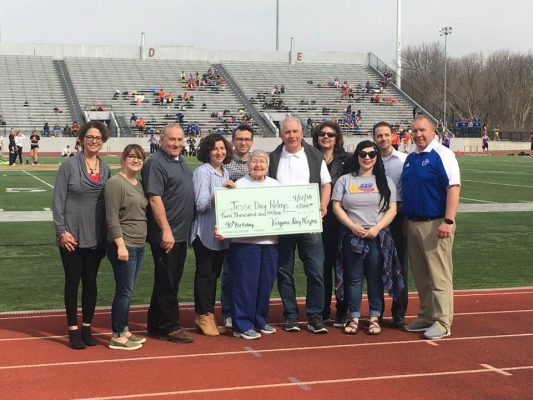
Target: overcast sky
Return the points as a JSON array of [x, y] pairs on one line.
[[343, 25]]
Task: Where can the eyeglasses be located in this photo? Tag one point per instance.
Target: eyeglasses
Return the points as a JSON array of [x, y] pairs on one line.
[[94, 138], [328, 134], [242, 139], [134, 157], [372, 154]]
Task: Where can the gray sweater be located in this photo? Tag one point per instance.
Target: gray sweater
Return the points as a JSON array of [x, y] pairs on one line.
[[125, 211], [78, 203]]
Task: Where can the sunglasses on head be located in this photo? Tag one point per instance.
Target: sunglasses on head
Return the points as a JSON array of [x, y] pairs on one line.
[[328, 134], [372, 154]]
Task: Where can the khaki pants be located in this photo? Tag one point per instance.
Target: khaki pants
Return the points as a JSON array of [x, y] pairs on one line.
[[432, 267]]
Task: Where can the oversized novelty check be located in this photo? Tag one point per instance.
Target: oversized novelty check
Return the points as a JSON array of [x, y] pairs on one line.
[[271, 210]]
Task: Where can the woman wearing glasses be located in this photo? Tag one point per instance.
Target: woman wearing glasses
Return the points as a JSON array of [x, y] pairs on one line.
[[125, 206], [78, 210], [364, 201], [327, 137]]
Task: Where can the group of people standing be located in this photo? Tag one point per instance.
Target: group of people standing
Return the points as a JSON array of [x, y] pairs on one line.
[[16, 144], [378, 205]]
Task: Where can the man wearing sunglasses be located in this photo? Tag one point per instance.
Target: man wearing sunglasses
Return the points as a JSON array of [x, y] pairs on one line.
[[431, 188], [393, 160], [296, 162]]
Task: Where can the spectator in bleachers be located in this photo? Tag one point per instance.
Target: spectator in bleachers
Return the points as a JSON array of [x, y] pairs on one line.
[[75, 128], [182, 76], [170, 97], [154, 144], [26, 104], [179, 117], [66, 131], [56, 129], [46, 129], [133, 120], [161, 95], [141, 125]]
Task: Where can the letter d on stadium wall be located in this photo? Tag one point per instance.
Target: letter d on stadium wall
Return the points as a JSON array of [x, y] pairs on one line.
[[151, 52]]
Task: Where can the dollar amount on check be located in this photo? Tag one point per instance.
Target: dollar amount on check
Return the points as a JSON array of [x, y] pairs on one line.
[[265, 211]]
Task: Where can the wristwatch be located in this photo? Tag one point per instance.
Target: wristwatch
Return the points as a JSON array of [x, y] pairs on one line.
[[449, 221]]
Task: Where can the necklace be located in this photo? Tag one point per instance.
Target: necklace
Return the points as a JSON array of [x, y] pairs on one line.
[[92, 170], [329, 159]]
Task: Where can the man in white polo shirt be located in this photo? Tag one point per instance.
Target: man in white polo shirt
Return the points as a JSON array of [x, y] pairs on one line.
[[296, 162], [393, 161]]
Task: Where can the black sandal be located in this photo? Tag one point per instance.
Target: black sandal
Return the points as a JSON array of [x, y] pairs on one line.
[[352, 326]]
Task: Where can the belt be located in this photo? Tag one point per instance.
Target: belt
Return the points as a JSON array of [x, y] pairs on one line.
[[423, 219]]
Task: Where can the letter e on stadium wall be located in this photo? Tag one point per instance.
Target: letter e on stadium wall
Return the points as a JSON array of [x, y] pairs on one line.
[[151, 52], [299, 56]]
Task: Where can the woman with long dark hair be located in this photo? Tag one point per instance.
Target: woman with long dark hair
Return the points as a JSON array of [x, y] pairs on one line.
[[364, 201], [79, 218], [215, 152], [327, 137]]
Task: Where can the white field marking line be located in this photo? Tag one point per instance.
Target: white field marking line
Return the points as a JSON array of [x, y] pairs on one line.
[[495, 172], [472, 313], [39, 179], [46, 209], [1, 209], [499, 371], [499, 184], [307, 383], [525, 201], [241, 352], [299, 383], [481, 201]]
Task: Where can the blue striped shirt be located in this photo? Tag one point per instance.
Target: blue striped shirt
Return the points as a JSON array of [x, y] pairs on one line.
[[205, 179]]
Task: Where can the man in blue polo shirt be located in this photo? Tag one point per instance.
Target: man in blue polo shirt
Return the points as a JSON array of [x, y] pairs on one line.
[[431, 188]]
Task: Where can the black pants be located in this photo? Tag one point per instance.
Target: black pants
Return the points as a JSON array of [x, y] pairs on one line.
[[163, 314], [12, 155], [399, 306], [208, 266], [19, 153], [80, 265]]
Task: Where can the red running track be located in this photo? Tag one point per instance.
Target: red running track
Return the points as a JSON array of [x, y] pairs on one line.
[[488, 356]]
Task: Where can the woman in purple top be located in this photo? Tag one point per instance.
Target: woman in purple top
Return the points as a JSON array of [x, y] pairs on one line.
[[214, 151]]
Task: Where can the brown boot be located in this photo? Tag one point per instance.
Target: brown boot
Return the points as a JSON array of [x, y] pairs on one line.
[[220, 329], [206, 324]]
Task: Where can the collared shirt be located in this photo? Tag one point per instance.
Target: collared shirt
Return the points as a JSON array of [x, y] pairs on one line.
[[426, 177], [393, 169], [205, 180], [293, 169], [237, 168]]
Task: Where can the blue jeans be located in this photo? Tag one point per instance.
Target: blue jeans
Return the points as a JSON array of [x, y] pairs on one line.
[[356, 268], [225, 289], [126, 273], [311, 252]]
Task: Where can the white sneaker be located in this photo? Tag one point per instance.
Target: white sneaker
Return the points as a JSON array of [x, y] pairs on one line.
[[228, 323]]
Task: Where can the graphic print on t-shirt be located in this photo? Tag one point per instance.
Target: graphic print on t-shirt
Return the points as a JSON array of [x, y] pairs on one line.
[[364, 187]]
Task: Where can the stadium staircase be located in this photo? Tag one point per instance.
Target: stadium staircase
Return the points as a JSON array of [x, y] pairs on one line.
[[68, 89], [263, 128]]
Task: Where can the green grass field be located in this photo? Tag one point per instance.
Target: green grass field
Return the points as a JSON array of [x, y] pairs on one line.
[[491, 249]]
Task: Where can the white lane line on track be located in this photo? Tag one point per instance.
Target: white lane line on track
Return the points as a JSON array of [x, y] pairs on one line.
[[252, 352], [262, 351], [498, 370], [39, 179], [299, 383], [432, 343], [308, 383]]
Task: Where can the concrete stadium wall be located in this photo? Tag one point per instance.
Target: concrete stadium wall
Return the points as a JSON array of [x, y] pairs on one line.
[[116, 145], [178, 53]]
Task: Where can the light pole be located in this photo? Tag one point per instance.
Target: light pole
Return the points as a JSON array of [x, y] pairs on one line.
[[277, 25], [399, 43], [447, 30], [291, 54]]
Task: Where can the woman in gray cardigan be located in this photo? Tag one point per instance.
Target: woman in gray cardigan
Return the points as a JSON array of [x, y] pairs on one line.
[[79, 218]]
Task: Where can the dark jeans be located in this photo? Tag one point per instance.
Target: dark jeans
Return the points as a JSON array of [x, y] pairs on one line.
[[399, 306], [208, 267], [80, 265], [225, 289], [19, 153], [163, 314], [330, 238], [126, 273], [311, 253], [356, 268]]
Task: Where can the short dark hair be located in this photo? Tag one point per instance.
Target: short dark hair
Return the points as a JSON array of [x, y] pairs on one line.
[[132, 147], [104, 131], [208, 143], [243, 127], [379, 125], [339, 141]]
